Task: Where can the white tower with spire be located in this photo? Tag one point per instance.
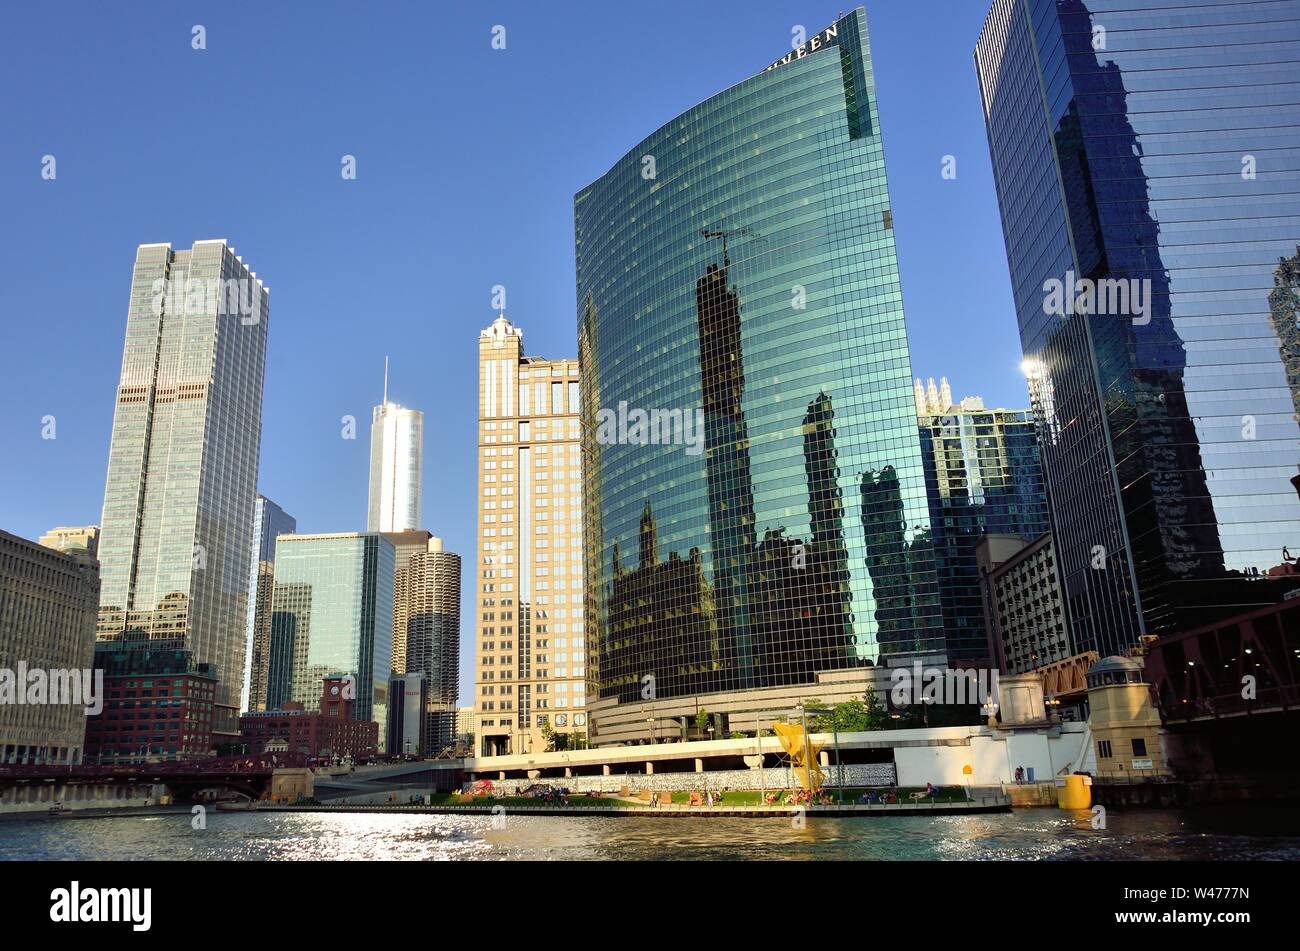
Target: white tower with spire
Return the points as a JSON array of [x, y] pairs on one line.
[[396, 466]]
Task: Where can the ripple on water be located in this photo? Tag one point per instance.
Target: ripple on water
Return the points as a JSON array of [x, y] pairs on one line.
[[1036, 834]]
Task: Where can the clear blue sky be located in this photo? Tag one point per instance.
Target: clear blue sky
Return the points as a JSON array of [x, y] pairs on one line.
[[467, 161]]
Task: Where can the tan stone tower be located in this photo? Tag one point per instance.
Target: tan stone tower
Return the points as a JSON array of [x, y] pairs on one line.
[[530, 675]]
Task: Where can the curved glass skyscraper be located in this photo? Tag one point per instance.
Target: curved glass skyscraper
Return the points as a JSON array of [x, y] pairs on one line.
[[756, 518]]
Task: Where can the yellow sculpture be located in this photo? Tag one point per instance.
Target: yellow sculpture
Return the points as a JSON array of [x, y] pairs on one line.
[[803, 755]]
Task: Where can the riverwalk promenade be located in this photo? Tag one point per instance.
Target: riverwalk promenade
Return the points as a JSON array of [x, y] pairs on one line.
[[489, 807]]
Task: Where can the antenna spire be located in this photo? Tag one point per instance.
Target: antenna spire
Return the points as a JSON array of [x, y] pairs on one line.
[[385, 380]]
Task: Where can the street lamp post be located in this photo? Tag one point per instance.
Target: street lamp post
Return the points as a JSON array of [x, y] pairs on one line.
[[807, 750]]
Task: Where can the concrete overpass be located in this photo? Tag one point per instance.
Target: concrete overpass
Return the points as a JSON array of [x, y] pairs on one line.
[[902, 757]]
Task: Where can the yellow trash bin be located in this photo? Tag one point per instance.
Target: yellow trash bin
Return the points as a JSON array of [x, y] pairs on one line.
[[1074, 792]]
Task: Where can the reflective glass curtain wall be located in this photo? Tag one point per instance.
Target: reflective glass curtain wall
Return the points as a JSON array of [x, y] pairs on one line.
[[269, 521], [182, 471], [738, 268], [1157, 143], [332, 615], [984, 477]]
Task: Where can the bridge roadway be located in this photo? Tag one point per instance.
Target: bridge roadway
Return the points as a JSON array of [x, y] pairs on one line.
[[250, 774]]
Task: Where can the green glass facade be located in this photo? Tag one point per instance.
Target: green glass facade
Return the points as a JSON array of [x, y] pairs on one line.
[[332, 614], [739, 266]]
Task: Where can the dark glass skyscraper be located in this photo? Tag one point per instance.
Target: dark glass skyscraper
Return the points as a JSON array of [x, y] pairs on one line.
[[1154, 143], [738, 268], [269, 522]]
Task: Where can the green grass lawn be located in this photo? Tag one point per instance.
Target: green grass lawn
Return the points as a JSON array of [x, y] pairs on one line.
[[753, 797], [733, 797], [452, 799]]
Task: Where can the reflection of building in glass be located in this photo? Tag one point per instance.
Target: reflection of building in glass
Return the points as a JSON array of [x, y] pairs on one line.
[[889, 561], [662, 611], [1165, 512], [984, 477], [759, 285], [269, 521], [799, 588], [530, 679], [726, 449], [332, 615], [182, 468], [1284, 310]]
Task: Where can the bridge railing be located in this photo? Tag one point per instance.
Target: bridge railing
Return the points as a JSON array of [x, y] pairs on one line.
[[260, 763]]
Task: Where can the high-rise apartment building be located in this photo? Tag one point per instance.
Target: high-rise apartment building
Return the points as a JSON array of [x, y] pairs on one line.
[[1144, 155], [269, 521], [757, 525], [182, 468], [983, 476], [405, 544], [83, 538], [426, 630], [396, 466], [530, 673], [332, 616], [48, 603], [1022, 601]]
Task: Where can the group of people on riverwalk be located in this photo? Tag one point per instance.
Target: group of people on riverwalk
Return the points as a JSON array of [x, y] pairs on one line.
[[709, 797]]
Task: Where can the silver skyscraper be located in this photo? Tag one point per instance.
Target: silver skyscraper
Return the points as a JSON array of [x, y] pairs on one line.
[[182, 468], [396, 462]]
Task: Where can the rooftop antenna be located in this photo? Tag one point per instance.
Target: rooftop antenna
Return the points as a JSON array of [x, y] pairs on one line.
[[385, 380]]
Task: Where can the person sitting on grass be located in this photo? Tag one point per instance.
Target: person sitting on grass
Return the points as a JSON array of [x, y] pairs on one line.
[[931, 791]]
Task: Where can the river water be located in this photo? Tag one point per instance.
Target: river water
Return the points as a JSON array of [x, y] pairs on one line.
[[1221, 832]]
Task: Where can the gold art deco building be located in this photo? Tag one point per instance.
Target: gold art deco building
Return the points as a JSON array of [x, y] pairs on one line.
[[182, 471], [530, 688]]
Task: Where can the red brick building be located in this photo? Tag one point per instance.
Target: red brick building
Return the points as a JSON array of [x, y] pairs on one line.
[[158, 707], [328, 733]]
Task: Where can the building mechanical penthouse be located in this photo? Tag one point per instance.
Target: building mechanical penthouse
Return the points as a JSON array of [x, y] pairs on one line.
[[741, 260]]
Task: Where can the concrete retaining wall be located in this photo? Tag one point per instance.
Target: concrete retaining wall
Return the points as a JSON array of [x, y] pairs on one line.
[[42, 797], [855, 775]]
